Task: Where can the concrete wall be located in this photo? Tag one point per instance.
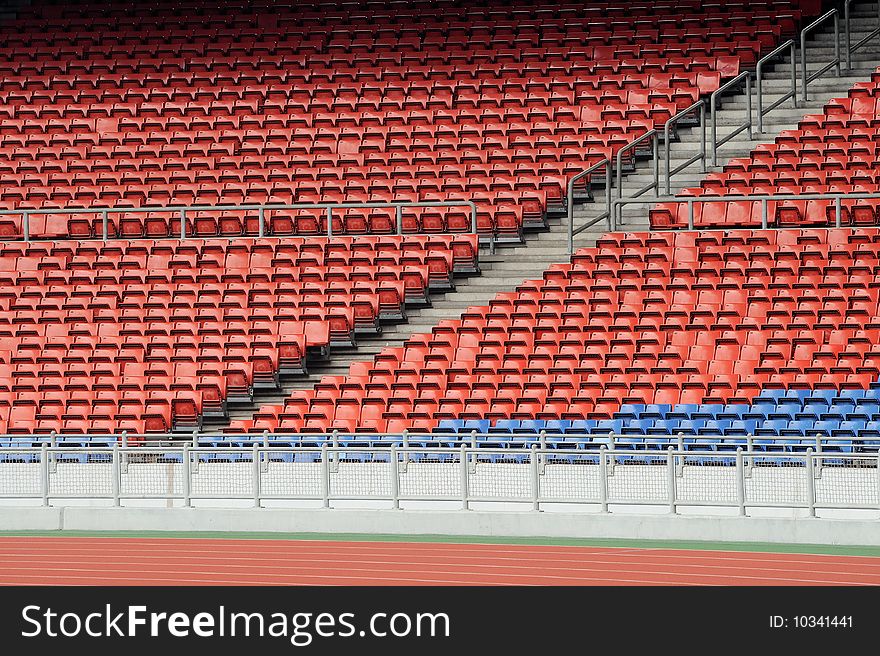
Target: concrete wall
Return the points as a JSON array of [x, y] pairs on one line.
[[479, 523]]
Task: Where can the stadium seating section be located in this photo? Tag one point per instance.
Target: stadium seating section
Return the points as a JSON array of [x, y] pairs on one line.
[[152, 335], [182, 103], [721, 334], [671, 331], [834, 152]]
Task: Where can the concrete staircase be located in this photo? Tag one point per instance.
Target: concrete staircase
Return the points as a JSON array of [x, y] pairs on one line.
[[511, 265], [732, 111]]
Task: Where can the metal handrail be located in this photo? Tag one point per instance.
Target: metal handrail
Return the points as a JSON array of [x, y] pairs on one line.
[[569, 201], [747, 76], [261, 210], [759, 98], [654, 136], [805, 79], [701, 157], [203, 439], [251, 464], [852, 48], [764, 199]]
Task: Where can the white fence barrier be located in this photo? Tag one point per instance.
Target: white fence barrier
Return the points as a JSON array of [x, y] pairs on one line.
[[536, 478]]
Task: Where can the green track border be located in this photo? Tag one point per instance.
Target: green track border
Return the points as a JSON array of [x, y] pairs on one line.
[[759, 547]]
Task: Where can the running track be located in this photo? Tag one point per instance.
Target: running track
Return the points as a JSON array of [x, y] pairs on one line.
[[176, 561]]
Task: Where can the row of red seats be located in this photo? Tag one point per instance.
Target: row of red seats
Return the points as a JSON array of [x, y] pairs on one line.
[[191, 324]]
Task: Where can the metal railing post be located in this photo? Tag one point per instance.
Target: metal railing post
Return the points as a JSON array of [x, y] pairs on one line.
[[846, 39], [115, 474], [53, 442], [608, 182], [702, 137], [105, 225], [714, 114], [764, 220], [569, 207], [183, 224], [837, 212], [837, 45], [603, 479], [325, 475], [749, 461], [811, 483], [329, 221], [395, 479], [463, 460], [740, 482], [667, 139], [123, 463], [804, 95], [542, 443], [805, 78], [670, 481], [534, 477], [759, 83], [187, 476], [714, 118], [398, 218], [255, 474], [877, 477], [44, 473], [690, 206], [335, 464], [261, 221], [655, 148], [26, 226], [569, 201], [749, 122], [405, 463], [667, 147]]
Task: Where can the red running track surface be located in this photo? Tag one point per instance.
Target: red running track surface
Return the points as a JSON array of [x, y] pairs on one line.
[[176, 561]]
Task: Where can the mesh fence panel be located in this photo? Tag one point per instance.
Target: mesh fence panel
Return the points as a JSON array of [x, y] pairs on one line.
[[775, 480], [570, 477], [500, 479], [847, 481], [360, 474], [20, 474], [216, 479], [638, 479], [81, 479], [427, 474], [292, 477], [713, 480], [151, 474]]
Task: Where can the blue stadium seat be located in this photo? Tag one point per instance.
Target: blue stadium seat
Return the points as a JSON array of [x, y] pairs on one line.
[[557, 425], [532, 426], [449, 426], [504, 426], [689, 426], [628, 411], [714, 427], [656, 411], [742, 427], [825, 396], [582, 426], [681, 411]]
